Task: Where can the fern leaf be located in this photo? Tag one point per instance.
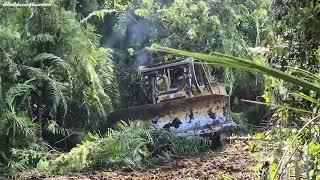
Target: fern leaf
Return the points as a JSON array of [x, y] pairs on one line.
[[45, 59], [41, 38], [15, 91]]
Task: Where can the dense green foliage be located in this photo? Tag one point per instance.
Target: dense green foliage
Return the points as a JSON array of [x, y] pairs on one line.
[[296, 50], [129, 145], [65, 67], [53, 75]]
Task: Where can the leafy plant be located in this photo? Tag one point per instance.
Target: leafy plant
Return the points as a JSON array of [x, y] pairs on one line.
[[167, 144], [26, 159], [53, 74], [131, 145]]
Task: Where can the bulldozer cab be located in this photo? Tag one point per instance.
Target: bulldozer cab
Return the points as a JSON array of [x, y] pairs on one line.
[[177, 79]]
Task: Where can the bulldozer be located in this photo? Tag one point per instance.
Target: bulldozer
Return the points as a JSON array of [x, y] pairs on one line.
[[183, 97]]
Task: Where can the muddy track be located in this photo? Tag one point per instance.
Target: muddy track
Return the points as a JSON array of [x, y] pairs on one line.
[[230, 162]]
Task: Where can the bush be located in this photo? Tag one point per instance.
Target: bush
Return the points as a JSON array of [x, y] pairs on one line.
[[168, 143], [26, 159], [131, 145]]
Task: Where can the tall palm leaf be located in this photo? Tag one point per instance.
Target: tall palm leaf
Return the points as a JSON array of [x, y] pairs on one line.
[[235, 62], [13, 122], [46, 69]]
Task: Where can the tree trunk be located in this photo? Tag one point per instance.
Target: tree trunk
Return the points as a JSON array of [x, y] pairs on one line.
[[1, 97], [72, 5], [39, 118]]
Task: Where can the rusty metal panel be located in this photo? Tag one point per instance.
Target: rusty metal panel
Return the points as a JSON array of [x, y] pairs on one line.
[[197, 115]]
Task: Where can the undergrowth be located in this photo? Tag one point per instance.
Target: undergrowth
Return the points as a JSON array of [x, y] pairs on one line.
[[130, 145]]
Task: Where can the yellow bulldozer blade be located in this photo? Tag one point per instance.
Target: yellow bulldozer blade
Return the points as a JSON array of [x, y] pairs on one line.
[[197, 115]]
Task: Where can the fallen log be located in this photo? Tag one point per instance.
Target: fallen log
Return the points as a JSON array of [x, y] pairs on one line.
[[244, 138]]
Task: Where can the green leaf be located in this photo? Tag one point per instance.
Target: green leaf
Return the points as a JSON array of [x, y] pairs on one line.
[[308, 98], [235, 62]]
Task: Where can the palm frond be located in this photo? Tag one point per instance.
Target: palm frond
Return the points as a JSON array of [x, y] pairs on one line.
[[308, 98], [235, 62], [23, 123], [19, 123], [54, 89], [129, 145], [304, 73], [280, 106], [96, 95], [15, 91], [41, 38], [56, 96], [45, 59], [8, 36], [109, 83], [100, 14], [54, 128]]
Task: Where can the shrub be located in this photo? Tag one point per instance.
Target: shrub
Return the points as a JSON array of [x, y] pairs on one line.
[[26, 159], [131, 145]]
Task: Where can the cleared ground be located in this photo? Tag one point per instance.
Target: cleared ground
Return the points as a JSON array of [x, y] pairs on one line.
[[233, 161]]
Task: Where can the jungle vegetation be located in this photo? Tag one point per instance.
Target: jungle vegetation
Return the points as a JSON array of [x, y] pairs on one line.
[[65, 67]]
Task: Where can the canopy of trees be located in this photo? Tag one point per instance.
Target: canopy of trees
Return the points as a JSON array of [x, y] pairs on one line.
[[65, 67]]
